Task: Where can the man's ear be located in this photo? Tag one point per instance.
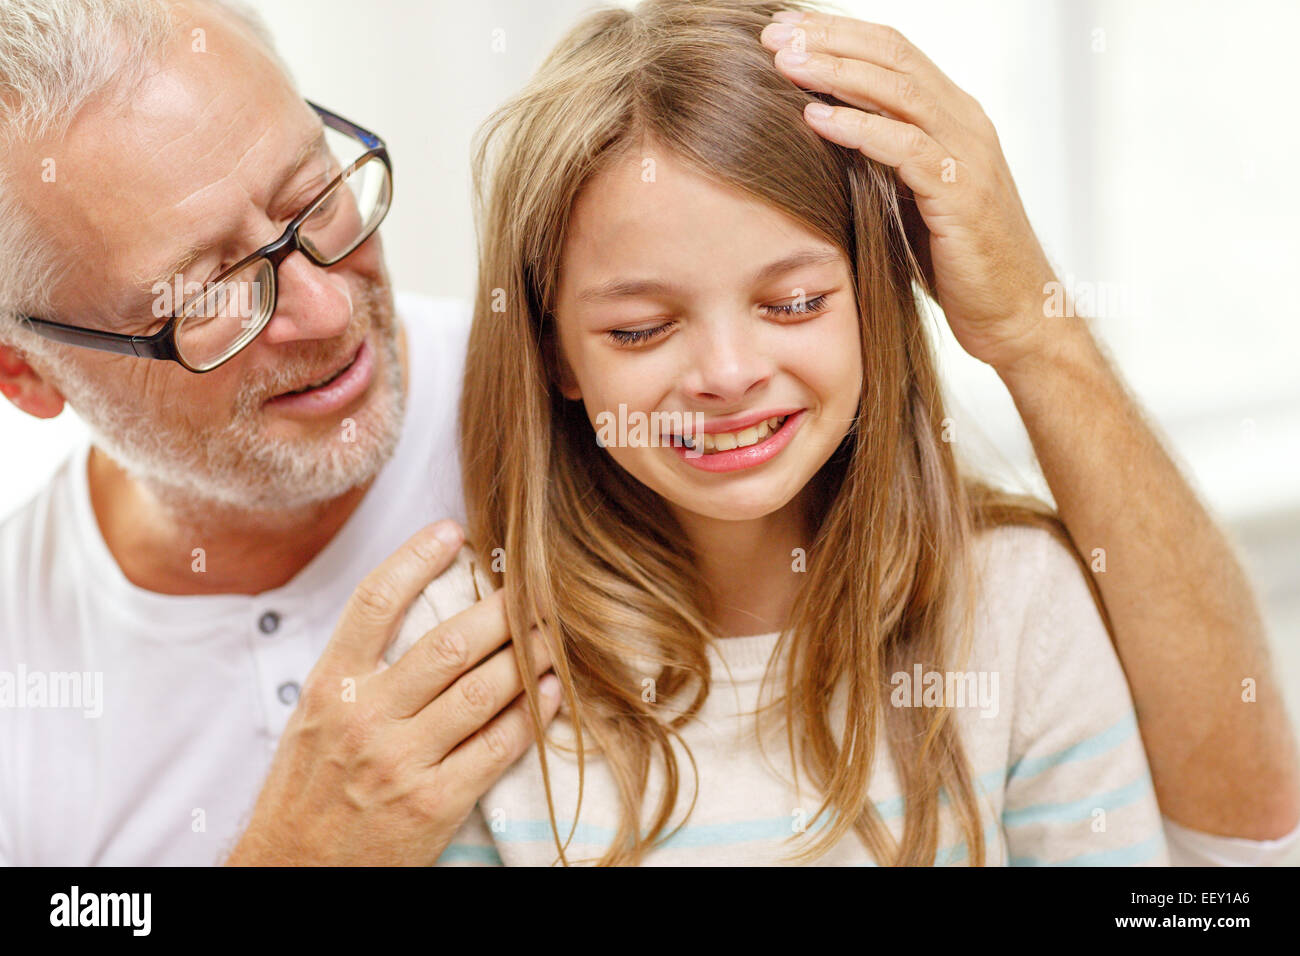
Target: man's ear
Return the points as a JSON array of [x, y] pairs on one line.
[[22, 385]]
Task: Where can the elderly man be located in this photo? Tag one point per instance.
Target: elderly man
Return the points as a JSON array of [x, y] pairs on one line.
[[270, 426]]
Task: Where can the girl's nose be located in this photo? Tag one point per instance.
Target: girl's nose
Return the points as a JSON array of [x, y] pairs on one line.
[[728, 362]]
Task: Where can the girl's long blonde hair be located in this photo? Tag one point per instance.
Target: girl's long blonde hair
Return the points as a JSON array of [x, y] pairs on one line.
[[600, 563]]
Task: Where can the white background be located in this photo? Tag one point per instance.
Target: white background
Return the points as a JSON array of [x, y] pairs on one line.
[[1154, 144]]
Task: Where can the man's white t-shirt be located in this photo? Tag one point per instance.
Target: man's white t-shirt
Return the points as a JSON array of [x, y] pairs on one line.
[[173, 706], [195, 691]]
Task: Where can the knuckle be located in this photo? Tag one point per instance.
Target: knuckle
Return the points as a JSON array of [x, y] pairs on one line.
[[476, 694], [434, 800], [428, 551], [906, 91], [356, 737], [861, 123], [499, 742], [315, 697], [893, 38], [383, 769], [900, 53], [375, 599], [917, 141], [449, 648], [361, 729]]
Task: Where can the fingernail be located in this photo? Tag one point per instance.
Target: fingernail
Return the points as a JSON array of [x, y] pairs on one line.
[[448, 533], [549, 685], [788, 16], [818, 110], [791, 57], [778, 34]]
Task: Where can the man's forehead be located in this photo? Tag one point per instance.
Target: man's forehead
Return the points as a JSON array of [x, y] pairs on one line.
[[150, 189], [311, 147], [141, 177]]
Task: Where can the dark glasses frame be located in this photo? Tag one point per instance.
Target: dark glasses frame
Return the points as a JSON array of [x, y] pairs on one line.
[[161, 345]]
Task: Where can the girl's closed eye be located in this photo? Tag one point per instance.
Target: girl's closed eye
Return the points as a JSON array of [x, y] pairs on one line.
[[801, 306], [626, 337]]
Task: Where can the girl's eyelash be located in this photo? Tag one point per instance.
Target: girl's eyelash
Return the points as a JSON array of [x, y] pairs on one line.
[[637, 336], [815, 304]]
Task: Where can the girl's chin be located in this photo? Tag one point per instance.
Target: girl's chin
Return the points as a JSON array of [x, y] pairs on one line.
[[726, 505]]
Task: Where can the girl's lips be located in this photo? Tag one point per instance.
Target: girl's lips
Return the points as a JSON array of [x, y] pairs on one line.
[[746, 457], [338, 394]]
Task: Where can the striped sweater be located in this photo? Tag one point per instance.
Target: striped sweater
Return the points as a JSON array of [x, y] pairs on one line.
[[1047, 723]]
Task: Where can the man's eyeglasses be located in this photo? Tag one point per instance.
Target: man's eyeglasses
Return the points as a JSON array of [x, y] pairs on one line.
[[219, 319]]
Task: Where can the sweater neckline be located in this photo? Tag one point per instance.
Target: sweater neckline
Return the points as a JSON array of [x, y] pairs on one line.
[[745, 658]]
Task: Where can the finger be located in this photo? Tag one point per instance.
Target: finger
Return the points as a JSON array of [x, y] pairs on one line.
[[474, 698], [480, 761], [918, 237], [921, 163], [444, 654], [871, 87], [376, 607], [858, 40]]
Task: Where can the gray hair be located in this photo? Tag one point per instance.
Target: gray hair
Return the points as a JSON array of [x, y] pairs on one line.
[[55, 55]]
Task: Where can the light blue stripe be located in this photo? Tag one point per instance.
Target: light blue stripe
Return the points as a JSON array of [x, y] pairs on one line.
[[1077, 810], [703, 836], [744, 831], [1094, 746], [960, 851], [466, 853], [711, 834], [1120, 856], [949, 855], [892, 808], [539, 831]]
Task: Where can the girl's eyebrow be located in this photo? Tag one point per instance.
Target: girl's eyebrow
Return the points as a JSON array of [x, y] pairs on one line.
[[796, 260], [620, 288], [623, 288]]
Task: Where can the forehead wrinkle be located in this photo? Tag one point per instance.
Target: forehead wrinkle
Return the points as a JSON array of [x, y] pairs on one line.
[[308, 150]]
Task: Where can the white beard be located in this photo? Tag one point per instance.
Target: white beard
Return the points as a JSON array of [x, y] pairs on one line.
[[237, 466]]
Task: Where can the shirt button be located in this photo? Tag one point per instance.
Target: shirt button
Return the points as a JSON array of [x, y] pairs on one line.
[[288, 692], [268, 623]]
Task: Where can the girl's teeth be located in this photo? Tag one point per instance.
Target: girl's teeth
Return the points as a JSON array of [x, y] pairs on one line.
[[726, 441]]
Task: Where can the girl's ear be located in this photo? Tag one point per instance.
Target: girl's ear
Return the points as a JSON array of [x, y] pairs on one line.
[[568, 384], [558, 367]]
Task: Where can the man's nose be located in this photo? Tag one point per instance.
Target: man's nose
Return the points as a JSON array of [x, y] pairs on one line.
[[728, 361], [311, 303]]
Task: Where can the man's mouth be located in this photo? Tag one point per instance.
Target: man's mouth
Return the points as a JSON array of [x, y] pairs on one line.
[[326, 380], [332, 391], [323, 383]]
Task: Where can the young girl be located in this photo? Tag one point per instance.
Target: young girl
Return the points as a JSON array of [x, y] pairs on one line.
[[703, 447]]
